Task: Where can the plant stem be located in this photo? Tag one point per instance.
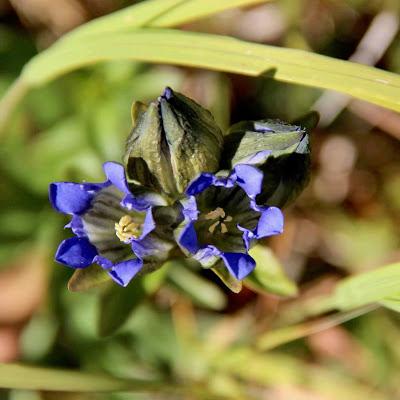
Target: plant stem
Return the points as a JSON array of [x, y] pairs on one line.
[[10, 101]]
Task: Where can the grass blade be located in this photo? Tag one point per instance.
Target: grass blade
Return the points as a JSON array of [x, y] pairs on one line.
[[285, 335], [219, 53], [68, 381]]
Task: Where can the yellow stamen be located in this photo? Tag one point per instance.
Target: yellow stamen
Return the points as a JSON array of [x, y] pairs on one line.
[[217, 213], [224, 228], [127, 229], [212, 227], [221, 217]]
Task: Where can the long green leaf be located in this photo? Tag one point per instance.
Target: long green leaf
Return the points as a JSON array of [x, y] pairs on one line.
[[196, 9], [369, 287], [156, 13], [391, 303], [128, 18], [222, 54], [25, 377]]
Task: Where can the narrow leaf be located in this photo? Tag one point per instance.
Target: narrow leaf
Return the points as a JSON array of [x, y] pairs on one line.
[[218, 53], [201, 291], [268, 276], [391, 303], [285, 335], [193, 10], [155, 13], [32, 378], [369, 287]]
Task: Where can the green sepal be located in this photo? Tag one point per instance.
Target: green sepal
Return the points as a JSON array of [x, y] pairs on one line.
[[229, 281], [87, 278]]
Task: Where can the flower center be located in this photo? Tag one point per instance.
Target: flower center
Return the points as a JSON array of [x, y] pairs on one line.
[[220, 216], [127, 229]]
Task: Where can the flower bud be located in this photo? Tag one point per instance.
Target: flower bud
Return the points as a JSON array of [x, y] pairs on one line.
[[172, 141], [281, 151]]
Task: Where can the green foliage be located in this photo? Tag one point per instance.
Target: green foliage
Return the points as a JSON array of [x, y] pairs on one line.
[[369, 287], [217, 53], [269, 275], [68, 381], [118, 303], [176, 326]]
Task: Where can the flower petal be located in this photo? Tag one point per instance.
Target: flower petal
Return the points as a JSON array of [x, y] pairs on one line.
[[188, 238], [149, 224], [73, 198], [249, 179], [115, 174], [142, 201], [123, 272], [76, 226], [238, 264], [199, 184], [76, 252], [270, 223], [207, 256]]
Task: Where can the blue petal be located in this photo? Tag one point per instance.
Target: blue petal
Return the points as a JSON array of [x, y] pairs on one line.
[[238, 264], [207, 256], [115, 174], [76, 225], [190, 210], [188, 238], [249, 179], [76, 252], [269, 223], [142, 201], [72, 198], [199, 184], [148, 224], [123, 272]]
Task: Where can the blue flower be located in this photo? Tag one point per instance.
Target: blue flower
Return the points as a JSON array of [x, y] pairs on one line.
[[222, 219], [121, 232]]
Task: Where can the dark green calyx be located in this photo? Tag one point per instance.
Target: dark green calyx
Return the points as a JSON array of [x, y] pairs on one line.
[[280, 150], [173, 139]]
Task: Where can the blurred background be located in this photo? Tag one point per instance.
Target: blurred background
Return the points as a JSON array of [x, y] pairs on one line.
[[190, 328]]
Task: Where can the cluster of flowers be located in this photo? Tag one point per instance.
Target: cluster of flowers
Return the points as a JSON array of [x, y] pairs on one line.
[[183, 189]]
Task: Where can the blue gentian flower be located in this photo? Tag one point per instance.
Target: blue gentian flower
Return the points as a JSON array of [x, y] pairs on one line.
[[121, 232], [222, 219]]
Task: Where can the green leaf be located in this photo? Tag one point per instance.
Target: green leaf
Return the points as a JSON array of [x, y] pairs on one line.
[[369, 287], [268, 276], [117, 303], [25, 377], [217, 53], [156, 13], [202, 292], [393, 303]]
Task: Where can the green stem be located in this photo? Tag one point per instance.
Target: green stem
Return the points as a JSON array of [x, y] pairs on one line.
[[10, 101]]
